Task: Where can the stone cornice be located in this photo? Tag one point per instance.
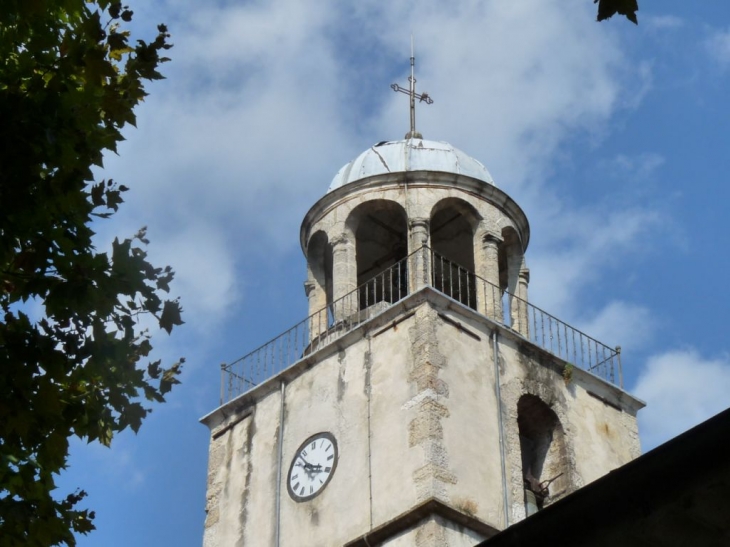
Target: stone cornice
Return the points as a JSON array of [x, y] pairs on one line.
[[417, 179], [408, 519]]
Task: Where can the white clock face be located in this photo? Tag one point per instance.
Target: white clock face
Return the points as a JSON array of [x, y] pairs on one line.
[[312, 467]]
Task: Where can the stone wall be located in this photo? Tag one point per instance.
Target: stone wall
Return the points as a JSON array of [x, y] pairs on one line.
[[410, 398]]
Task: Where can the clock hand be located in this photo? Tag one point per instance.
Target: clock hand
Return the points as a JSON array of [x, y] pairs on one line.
[[316, 469], [309, 468]]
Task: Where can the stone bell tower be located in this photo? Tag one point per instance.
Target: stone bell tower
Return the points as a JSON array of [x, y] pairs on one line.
[[424, 401]]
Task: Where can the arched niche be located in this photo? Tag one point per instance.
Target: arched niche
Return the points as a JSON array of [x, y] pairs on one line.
[[453, 224], [380, 228], [544, 455]]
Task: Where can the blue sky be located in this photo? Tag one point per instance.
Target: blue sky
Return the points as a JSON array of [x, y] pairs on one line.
[[613, 139]]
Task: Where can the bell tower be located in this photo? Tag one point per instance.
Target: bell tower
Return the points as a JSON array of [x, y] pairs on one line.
[[424, 401]]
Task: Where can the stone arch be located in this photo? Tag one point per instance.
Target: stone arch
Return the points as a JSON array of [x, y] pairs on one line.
[[380, 231], [452, 228], [545, 465]]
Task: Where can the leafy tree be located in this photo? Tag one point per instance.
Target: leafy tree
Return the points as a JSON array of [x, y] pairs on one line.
[[69, 82], [609, 8]]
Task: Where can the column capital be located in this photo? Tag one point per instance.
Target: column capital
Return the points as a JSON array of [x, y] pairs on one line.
[[525, 274], [419, 231], [492, 238], [418, 222], [339, 240], [309, 286]]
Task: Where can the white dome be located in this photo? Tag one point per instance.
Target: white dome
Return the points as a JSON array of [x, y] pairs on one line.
[[410, 155]]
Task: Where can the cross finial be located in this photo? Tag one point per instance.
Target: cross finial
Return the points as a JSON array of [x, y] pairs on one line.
[[411, 92]]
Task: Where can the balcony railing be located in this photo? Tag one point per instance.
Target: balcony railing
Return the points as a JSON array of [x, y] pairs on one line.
[[420, 268]]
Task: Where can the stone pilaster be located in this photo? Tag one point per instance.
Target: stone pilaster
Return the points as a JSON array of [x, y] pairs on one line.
[[317, 298], [428, 408], [523, 325], [489, 295], [344, 277], [431, 534], [514, 264], [419, 264]]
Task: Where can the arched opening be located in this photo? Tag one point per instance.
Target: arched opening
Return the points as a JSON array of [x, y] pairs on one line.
[[452, 239], [544, 457], [381, 245]]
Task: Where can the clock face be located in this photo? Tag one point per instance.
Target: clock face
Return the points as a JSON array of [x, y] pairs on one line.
[[312, 467]]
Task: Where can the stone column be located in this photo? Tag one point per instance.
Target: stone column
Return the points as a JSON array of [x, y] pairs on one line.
[[344, 277], [489, 293], [514, 263], [420, 261], [316, 294], [523, 325], [317, 297]]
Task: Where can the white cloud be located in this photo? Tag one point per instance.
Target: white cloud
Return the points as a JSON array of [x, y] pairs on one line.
[[204, 273], [635, 166], [718, 46], [266, 106], [584, 245], [266, 100], [662, 22], [621, 322], [681, 388], [263, 105], [497, 95], [116, 466]]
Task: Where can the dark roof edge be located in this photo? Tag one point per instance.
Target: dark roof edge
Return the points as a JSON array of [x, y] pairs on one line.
[[631, 491]]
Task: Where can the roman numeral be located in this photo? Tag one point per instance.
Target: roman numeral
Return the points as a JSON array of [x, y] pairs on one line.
[[311, 489], [327, 469], [301, 493], [294, 477], [304, 453], [329, 447], [296, 486], [330, 457], [314, 445]]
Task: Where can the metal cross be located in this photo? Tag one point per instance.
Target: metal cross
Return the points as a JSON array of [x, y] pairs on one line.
[[411, 92]]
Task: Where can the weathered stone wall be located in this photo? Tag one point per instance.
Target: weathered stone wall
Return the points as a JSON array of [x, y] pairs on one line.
[[410, 398], [472, 434], [598, 436], [242, 479], [330, 397], [435, 532]]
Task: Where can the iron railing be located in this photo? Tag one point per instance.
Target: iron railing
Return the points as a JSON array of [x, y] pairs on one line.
[[422, 267], [540, 327], [317, 330]]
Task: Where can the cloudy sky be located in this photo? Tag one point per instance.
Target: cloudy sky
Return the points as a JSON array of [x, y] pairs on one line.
[[612, 138]]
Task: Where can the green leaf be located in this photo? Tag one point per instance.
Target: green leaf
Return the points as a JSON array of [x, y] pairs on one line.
[[97, 194], [70, 82], [609, 8], [171, 315], [154, 369]]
